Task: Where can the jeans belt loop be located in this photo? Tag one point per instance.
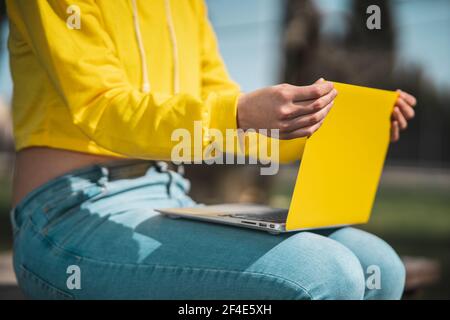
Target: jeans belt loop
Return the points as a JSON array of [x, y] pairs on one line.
[[180, 170], [104, 178], [161, 166]]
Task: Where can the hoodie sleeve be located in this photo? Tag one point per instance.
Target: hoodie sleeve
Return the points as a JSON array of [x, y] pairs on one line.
[[214, 74], [215, 78], [83, 67]]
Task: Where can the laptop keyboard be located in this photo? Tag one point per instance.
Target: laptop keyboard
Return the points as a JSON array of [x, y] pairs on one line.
[[276, 215]]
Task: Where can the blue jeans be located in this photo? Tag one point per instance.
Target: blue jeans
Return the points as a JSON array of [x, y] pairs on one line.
[[92, 235]]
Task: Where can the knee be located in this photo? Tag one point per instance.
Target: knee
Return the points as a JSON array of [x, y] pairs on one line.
[[340, 274], [383, 268], [392, 273], [321, 268]]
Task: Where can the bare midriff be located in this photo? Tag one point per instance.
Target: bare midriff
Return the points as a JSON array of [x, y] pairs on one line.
[[36, 165]]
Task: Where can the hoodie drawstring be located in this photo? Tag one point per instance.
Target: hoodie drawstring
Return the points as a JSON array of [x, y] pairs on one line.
[[145, 78], [137, 29], [173, 39]]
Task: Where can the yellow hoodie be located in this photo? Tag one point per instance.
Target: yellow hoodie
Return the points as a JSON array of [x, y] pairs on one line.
[[117, 77]]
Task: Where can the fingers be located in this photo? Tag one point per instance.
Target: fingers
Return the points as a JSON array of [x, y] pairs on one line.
[[398, 116], [410, 99], [403, 111], [308, 119], [305, 117], [395, 131], [313, 106], [405, 108], [303, 132], [319, 80], [314, 91]]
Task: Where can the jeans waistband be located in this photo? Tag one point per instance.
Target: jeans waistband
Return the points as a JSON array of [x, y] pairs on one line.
[[97, 174]]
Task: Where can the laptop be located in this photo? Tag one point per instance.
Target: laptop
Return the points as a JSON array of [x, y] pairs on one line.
[[338, 175]]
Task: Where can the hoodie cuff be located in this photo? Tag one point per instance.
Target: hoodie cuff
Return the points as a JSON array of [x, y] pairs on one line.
[[224, 112]]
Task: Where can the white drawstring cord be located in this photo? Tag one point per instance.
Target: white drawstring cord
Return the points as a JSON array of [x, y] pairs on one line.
[[137, 28], [173, 39]]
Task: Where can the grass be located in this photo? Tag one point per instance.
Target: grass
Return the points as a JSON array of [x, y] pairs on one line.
[[412, 212], [416, 214]]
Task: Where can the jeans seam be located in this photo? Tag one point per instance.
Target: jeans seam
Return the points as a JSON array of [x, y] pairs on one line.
[[26, 273], [290, 282]]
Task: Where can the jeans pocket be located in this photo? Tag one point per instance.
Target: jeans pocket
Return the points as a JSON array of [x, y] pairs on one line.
[[34, 287], [70, 198]]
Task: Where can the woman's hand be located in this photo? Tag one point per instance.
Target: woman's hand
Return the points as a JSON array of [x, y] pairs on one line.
[[295, 111], [403, 112]]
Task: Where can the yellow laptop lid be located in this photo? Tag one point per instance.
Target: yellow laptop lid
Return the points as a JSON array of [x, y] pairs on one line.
[[342, 162]]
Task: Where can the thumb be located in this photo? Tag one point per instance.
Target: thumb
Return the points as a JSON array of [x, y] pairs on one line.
[[320, 80]]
